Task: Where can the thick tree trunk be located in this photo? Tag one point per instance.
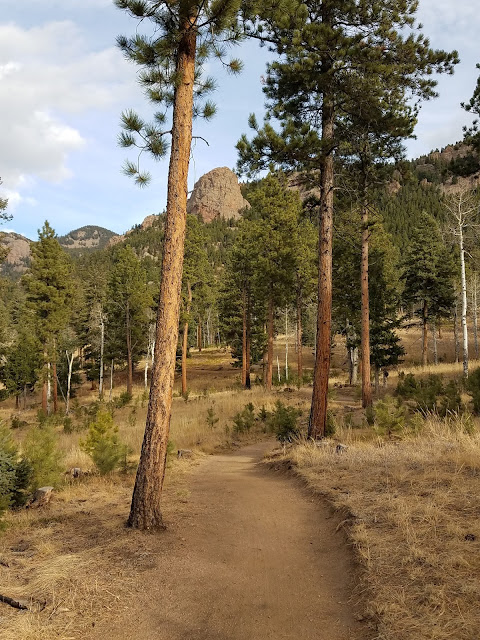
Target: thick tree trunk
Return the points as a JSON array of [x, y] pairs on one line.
[[365, 310], [185, 343], [270, 345], [425, 334], [464, 304], [128, 330], [299, 339], [318, 413], [145, 512]]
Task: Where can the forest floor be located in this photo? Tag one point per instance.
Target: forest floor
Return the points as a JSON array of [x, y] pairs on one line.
[[384, 542]]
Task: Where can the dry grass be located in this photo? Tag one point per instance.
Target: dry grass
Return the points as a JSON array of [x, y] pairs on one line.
[[414, 520]]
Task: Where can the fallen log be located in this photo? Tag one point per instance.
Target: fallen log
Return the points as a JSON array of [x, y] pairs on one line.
[[13, 603]]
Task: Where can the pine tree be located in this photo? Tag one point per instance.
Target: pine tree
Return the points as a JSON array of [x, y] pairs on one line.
[[186, 34], [49, 295], [128, 302], [331, 52], [428, 275]]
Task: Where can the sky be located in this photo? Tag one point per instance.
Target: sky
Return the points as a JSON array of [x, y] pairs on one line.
[[64, 84]]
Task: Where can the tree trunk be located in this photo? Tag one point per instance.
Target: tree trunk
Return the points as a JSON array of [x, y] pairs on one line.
[[353, 365], [425, 334], [365, 310], [248, 345], [185, 343], [199, 335], [111, 382], [286, 344], [145, 512], [55, 386], [464, 304], [244, 338], [435, 347], [455, 333], [69, 382], [128, 330], [102, 349], [17, 401], [475, 315], [318, 414], [279, 375], [270, 345], [299, 339]]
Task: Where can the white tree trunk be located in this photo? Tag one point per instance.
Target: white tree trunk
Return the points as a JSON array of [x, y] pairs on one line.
[[464, 304], [475, 314], [278, 370], [69, 381]]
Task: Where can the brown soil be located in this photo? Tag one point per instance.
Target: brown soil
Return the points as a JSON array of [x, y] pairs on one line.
[[253, 557]]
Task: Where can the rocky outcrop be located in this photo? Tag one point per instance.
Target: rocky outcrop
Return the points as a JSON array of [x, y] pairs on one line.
[[18, 257], [148, 222], [217, 195]]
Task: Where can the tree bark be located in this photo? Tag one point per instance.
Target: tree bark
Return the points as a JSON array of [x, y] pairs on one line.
[[299, 339], [270, 344], [475, 315], [128, 330], [464, 304], [425, 334], [185, 342], [248, 344], [102, 348], [318, 414], [353, 365], [365, 312], [435, 347], [69, 382], [244, 338], [455, 332], [145, 512], [55, 386]]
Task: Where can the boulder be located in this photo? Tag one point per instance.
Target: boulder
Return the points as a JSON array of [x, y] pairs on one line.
[[217, 194]]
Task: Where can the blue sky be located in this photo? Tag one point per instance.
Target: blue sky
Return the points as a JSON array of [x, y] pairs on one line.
[[63, 85]]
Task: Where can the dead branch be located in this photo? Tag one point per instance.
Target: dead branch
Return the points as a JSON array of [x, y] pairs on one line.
[[13, 603]]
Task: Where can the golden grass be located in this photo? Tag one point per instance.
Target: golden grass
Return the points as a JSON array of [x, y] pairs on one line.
[[413, 512]]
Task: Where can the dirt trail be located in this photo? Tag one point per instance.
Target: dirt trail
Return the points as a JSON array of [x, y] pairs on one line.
[[253, 558]]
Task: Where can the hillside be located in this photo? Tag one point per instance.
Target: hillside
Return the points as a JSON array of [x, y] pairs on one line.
[[86, 238]]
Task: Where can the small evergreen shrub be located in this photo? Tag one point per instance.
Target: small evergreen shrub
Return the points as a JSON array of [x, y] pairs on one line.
[[244, 420], [263, 414], [283, 421], [68, 424], [331, 425], [123, 399], [41, 452], [17, 423], [389, 417], [103, 445], [472, 385]]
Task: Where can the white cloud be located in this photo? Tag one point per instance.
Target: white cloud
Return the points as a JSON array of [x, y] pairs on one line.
[[48, 79]]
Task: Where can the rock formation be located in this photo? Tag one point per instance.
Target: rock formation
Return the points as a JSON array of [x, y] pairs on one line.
[[217, 195]]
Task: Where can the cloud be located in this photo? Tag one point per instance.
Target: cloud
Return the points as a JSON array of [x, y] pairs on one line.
[[49, 78]]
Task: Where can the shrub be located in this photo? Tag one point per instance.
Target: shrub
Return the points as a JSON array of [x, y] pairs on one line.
[[283, 422], [68, 424], [263, 415], [211, 418], [389, 417], [17, 423], [41, 452], [244, 420], [103, 444], [15, 474], [123, 399], [331, 425], [472, 385]]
